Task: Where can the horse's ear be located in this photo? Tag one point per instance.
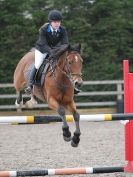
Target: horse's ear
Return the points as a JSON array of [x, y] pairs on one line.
[[78, 47], [69, 48]]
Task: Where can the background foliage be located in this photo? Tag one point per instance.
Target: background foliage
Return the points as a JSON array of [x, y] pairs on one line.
[[104, 28]]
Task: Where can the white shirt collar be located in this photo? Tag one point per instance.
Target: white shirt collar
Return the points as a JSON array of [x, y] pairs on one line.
[[52, 29]]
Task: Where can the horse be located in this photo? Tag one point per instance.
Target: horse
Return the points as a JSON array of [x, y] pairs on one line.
[[57, 89]]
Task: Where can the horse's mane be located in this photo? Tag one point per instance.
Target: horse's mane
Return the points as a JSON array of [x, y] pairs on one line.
[[66, 48]]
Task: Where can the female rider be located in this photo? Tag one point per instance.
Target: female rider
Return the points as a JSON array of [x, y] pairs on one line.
[[51, 35]]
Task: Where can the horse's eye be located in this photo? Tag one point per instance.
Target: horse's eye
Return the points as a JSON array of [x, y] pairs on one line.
[[70, 62]]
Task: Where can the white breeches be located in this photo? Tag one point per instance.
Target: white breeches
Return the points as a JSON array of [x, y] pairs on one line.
[[39, 58]]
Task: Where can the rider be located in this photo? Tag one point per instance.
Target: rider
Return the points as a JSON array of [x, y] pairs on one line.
[[51, 35]]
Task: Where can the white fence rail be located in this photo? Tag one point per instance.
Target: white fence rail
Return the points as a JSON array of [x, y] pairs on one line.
[[117, 93]]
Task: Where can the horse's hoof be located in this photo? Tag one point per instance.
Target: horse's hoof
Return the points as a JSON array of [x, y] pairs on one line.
[[75, 139], [67, 139], [30, 104], [66, 134], [74, 144], [19, 105]]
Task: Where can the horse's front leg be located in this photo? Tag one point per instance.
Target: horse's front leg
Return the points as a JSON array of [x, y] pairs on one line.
[[65, 127], [76, 137], [53, 104]]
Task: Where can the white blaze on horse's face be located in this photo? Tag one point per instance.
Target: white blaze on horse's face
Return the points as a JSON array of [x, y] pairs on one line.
[[75, 62], [76, 58]]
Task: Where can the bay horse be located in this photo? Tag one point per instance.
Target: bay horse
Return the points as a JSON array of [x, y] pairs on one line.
[[57, 89]]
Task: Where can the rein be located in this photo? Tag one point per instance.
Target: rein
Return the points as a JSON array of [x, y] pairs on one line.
[[61, 85]]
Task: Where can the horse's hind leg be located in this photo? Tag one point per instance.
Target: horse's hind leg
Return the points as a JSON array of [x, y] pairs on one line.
[[19, 100], [31, 103]]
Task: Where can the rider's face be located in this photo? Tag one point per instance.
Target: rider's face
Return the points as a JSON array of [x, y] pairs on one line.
[[55, 24]]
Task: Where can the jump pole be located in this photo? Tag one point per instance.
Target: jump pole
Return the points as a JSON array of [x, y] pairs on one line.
[[128, 108], [47, 119], [62, 171]]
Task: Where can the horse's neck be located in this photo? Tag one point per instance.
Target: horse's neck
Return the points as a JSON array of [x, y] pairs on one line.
[[62, 68]]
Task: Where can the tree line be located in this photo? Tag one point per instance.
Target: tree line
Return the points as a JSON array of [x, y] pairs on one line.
[[104, 29]]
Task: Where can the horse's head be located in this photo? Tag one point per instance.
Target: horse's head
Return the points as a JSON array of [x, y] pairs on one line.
[[75, 64]]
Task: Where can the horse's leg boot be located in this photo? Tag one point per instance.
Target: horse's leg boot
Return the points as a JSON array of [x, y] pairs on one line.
[[31, 81]]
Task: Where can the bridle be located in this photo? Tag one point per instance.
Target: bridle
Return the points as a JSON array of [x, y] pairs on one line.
[[76, 74], [67, 72]]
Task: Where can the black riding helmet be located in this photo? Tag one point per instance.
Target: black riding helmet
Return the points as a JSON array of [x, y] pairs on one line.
[[54, 15]]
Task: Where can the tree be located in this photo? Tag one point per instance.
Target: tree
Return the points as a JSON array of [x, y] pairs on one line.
[[104, 28], [15, 29], [110, 38]]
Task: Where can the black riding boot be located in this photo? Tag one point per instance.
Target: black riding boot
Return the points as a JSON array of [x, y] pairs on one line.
[[31, 81]]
